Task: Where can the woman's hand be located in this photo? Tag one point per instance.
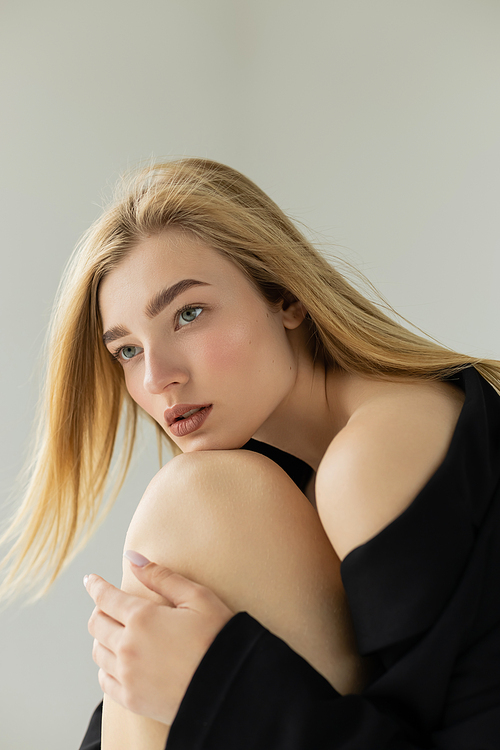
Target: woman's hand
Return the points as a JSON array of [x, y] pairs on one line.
[[148, 652]]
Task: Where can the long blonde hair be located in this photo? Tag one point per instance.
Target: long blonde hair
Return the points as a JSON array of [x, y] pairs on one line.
[[85, 396]]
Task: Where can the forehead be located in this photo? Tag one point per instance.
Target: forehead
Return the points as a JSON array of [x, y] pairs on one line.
[[165, 259], [170, 253]]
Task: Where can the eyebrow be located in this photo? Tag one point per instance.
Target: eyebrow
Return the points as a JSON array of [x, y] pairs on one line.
[[166, 296], [154, 307], [118, 332]]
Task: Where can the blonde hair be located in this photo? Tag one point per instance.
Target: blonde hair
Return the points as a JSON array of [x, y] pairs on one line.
[[85, 396]]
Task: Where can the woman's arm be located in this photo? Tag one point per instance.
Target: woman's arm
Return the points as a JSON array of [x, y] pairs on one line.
[[130, 633]]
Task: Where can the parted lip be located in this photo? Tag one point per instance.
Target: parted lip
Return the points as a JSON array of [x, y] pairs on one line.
[[170, 415]]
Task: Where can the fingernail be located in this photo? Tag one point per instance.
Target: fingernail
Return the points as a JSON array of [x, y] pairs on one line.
[[136, 558], [85, 580]]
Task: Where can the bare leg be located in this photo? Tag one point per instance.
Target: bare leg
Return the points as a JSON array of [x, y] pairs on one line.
[[235, 522]]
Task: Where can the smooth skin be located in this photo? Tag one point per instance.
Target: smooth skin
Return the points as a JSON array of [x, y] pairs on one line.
[[280, 571], [231, 520]]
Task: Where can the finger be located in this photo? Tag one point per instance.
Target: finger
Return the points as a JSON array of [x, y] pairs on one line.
[[172, 586], [114, 602], [104, 658], [110, 685], [107, 630]]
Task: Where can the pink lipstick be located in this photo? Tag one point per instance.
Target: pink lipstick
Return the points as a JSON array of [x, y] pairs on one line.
[[186, 418]]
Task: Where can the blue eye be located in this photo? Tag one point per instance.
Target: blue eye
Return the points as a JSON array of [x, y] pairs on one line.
[[188, 315], [129, 352]]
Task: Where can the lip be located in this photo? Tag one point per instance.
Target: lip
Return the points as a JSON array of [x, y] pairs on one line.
[[190, 424], [172, 414]]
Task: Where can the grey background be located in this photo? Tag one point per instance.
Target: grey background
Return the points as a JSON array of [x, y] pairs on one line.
[[377, 124]]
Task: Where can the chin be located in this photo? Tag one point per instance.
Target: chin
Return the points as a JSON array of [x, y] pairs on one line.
[[193, 443]]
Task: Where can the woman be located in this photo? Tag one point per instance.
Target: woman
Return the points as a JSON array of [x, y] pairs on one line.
[[195, 300]]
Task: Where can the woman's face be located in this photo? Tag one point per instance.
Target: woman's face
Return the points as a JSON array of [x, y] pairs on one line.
[[201, 350]]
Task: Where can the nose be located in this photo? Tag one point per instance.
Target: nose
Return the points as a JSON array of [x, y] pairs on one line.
[[161, 372]]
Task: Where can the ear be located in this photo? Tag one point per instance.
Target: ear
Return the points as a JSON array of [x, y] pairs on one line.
[[292, 314]]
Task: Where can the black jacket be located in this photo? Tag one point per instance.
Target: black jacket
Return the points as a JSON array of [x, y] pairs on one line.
[[425, 599]]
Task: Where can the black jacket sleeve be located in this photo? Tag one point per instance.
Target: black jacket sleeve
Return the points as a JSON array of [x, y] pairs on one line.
[[252, 692], [92, 739], [266, 697]]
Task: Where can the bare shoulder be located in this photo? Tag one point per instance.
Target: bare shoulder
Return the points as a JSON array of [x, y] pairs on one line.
[[392, 445]]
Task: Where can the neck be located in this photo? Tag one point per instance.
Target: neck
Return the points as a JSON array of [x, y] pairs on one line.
[[319, 405]]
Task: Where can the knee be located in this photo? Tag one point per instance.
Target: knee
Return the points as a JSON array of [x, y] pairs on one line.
[[215, 503], [197, 496], [218, 464], [211, 478]]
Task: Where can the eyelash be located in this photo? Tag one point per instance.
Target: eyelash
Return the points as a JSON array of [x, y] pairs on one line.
[[115, 353], [183, 309]]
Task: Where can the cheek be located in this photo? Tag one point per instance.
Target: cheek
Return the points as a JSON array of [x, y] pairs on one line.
[[230, 351], [250, 350], [135, 388]]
